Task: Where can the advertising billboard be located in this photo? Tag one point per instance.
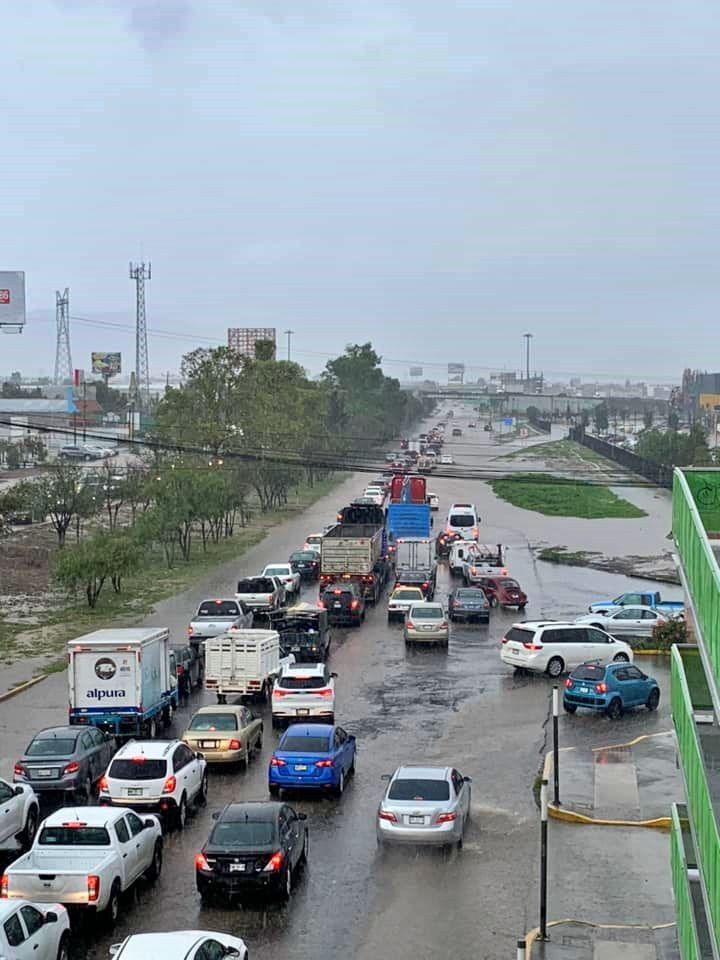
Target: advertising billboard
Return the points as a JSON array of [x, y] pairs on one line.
[[12, 298], [416, 371], [456, 372], [709, 401], [106, 364]]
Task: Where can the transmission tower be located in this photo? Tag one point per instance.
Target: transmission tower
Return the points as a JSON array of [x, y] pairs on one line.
[[63, 358], [140, 272]]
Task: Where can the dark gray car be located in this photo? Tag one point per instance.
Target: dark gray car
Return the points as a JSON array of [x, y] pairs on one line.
[[469, 603], [66, 760]]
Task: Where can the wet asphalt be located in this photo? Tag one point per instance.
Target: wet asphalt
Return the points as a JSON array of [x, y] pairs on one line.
[[461, 707]]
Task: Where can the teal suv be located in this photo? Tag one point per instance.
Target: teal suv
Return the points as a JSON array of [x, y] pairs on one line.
[[611, 688]]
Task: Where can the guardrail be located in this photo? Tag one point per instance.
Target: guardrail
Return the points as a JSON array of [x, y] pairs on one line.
[[685, 915], [660, 473], [544, 426]]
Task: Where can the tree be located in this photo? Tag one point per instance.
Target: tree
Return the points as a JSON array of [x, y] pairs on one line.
[[648, 417], [264, 350], [92, 562], [60, 495], [673, 420], [600, 415]]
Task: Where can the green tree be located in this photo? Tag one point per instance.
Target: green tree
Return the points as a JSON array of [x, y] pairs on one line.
[[600, 416], [648, 417], [264, 350], [90, 563], [60, 495], [673, 420]]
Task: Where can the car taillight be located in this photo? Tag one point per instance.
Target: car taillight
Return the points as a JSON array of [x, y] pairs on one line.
[[354, 604], [180, 669], [202, 864], [324, 763], [475, 532], [457, 603], [445, 818], [425, 585], [532, 646], [170, 785], [568, 683], [473, 571], [103, 784], [386, 815], [321, 605], [504, 639], [275, 862], [327, 692], [444, 623], [601, 687], [279, 693], [189, 631], [20, 770], [234, 745], [4, 884], [93, 888], [277, 762], [72, 767]]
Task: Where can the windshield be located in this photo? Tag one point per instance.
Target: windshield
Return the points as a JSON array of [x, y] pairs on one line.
[[139, 768], [304, 555], [214, 721], [243, 833], [52, 747], [419, 790], [305, 745], [426, 612], [301, 683], [512, 584], [407, 595], [74, 836], [276, 571], [462, 520], [219, 608]]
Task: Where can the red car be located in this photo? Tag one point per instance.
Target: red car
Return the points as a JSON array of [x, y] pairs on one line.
[[503, 592]]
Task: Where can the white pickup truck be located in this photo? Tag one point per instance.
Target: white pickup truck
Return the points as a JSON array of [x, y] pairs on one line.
[[215, 617], [86, 857]]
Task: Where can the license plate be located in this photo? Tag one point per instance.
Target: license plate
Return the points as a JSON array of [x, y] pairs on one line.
[[584, 690], [295, 649], [237, 868], [44, 773], [427, 628], [134, 791], [208, 744], [337, 605], [417, 820], [301, 766], [302, 712]]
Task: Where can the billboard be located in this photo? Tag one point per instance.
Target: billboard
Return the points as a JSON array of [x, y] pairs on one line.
[[244, 339], [709, 401], [456, 372], [12, 298], [106, 364], [416, 371]]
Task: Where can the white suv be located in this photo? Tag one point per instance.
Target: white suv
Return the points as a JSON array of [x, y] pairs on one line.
[[554, 647], [162, 776], [304, 690]]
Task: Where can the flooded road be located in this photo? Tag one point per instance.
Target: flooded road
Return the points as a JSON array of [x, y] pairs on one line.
[[461, 707]]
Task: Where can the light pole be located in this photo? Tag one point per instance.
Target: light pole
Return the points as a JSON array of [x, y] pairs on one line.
[[288, 334], [528, 337]]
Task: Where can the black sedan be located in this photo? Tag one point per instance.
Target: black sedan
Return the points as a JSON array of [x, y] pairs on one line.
[[306, 563], [66, 761], [469, 603], [255, 847]]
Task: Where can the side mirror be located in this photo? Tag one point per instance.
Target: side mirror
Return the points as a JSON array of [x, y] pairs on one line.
[[333, 674], [114, 949], [50, 917], [467, 779], [18, 791], [200, 756], [386, 776], [148, 822], [216, 815], [231, 952], [302, 816]]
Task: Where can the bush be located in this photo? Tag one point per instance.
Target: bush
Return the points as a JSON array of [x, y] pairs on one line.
[[666, 634]]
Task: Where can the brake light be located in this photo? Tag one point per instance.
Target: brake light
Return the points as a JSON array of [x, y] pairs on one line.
[[74, 824], [180, 669], [234, 745], [93, 888], [326, 693], [4, 884], [139, 759], [321, 605], [354, 604], [475, 532], [275, 862], [20, 770], [337, 592], [425, 585], [445, 818], [444, 623], [601, 687], [324, 763], [277, 762], [72, 767], [103, 784], [202, 864], [532, 646], [457, 603], [473, 571], [386, 815], [170, 785], [568, 683], [279, 693], [189, 630]]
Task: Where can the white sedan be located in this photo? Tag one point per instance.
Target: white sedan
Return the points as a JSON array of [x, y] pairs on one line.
[[627, 621], [284, 572], [40, 931], [189, 944], [446, 460]]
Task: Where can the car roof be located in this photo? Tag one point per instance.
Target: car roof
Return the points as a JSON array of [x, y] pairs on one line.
[[260, 809], [308, 730], [408, 586], [90, 816], [430, 605], [220, 708], [422, 773], [176, 943], [152, 749], [538, 624], [304, 669], [50, 733], [277, 563]]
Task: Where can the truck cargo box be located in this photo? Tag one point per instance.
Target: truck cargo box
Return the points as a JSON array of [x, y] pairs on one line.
[[408, 520], [350, 548]]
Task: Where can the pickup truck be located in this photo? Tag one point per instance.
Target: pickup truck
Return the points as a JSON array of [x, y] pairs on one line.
[[263, 593], [216, 617], [648, 599], [86, 857]]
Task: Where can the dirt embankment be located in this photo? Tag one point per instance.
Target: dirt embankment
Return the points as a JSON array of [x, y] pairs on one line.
[[661, 567]]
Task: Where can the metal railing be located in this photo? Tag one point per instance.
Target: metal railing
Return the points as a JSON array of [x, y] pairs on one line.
[[659, 473], [700, 568], [702, 815], [685, 915]]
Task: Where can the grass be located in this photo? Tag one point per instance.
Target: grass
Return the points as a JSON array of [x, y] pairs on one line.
[[152, 583], [555, 498], [571, 558], [557, 450]]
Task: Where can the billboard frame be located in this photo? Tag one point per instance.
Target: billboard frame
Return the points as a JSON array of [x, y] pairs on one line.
[[13, 310]]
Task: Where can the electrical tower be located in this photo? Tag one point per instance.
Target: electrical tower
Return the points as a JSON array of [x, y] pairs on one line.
[[140, 272], [63, 357]]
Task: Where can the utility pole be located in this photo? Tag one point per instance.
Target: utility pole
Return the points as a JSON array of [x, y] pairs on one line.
[[63, 358], [528, 337], [140, 272], [288, 334]]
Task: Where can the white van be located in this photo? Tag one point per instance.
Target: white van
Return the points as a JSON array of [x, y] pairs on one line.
[[462, 518]]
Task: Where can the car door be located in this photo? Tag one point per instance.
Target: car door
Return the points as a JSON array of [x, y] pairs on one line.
[[11, 812], [650, 620], [293, 839], [186, 768], [15, 935], [462, 794], [339, 752], [600, 646], [142, 840], [575, 646], [128, 849], [626, 622], [637, 684], [40, 937]]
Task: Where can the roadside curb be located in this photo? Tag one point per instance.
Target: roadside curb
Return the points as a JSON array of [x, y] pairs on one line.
[[533, 935], [650, 653], [21, 687]]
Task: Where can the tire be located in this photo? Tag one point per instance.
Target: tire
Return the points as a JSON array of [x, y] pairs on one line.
[[351, 771], [203, 791], [30, 829], [653, 700], [180, 817], [331, 718], [112, 910], [570, 707], [286, 891], [155, 868], [555, 667], [151, 728], [621, 658], [598, 626], [259, 744], [304, 855], [340, 788], [521, 607], [493, 601], [273, 790], [85, 794], [64, 948], [221, 698], [615, 709]]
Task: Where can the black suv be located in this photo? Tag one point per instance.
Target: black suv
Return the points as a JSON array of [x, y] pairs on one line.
[[344, 603], [255, 847]]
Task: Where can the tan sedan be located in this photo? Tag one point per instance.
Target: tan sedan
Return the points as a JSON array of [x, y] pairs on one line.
[[225, 734]]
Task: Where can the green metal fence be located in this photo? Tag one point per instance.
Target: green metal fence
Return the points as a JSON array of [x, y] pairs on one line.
[[702, 815], [698, 562], [686, 933]]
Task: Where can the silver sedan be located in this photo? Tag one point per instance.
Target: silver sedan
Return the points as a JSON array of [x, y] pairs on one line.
[[426, 623], [424, 806], [627, 621]]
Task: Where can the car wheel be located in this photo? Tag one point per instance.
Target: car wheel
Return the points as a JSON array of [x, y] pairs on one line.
[[340, 788], [64, 948], [152, 729], [304, 854], [351, 771], [621, 658], [203, 792], [155, 868], [493, 601], [653, 699], [85, 793], [273, 790], [181, 814], [286, 891], [555, 667], [30, 829], [521, 607], [570, 707], [221, 698], [112, 911], [259, 744], [615, 709]]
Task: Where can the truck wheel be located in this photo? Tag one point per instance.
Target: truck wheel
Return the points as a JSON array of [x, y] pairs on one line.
[[112, 910], [166, 716], [221, 698], [155, 868], [151, 728], [31, 824], [274, 790]]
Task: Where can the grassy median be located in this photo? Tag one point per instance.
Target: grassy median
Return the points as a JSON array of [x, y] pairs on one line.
[[557, 498]]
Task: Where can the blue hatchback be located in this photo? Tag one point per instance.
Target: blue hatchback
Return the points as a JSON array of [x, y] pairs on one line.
[[612, 688], [312, 756]]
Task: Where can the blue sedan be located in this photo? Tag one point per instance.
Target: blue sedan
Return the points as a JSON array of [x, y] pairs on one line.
[[312, 756]]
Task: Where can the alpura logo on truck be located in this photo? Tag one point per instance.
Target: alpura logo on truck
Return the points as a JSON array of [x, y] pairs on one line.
[[104, 694]]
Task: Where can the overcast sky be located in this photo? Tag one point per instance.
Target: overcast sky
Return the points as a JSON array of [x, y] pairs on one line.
[[437, 177]]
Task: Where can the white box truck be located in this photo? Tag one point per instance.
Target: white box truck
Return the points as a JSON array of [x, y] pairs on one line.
[[122, 680], [243, 662]]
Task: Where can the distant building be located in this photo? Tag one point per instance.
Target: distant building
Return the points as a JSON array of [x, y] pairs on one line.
[[243, 339]]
